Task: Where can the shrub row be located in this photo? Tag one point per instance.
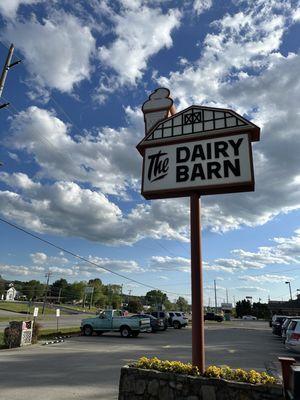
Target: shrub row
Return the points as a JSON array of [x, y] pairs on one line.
[[224, 372]]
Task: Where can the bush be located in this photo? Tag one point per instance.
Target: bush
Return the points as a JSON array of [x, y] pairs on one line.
[[11, 337], [225, 372]]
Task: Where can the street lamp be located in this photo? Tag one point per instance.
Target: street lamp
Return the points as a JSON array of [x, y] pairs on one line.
[[289, 283]]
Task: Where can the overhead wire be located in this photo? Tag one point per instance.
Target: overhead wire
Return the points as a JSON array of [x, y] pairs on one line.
[[86, 259]]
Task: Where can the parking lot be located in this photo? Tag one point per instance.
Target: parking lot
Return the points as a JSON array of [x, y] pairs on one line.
[[89, 367]]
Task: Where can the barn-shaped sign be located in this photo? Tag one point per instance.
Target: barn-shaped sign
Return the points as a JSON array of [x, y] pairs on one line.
[[200, 149]]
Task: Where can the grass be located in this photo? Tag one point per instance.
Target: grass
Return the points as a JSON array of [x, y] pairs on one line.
[[2, 341], [49, 333], [23, 308]]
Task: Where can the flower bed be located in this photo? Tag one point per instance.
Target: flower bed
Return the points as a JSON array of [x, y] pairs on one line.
[[151, 379]]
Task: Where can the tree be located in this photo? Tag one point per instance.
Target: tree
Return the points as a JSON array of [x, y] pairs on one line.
[[33, 289], [182, 304], [98, 297], [58, 289], [75, 291], [243, 308], [261, 310], [156, 298], [2, 286], [134, 306]]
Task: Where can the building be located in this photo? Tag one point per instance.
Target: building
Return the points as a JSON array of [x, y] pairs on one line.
[[11, 293], [291, 307]]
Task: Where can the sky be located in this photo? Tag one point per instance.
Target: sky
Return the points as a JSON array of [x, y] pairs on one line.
[[71, 173]]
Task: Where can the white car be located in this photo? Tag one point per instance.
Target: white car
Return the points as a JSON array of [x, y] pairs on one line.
[[178, 319], [249, 317], [292, 341]]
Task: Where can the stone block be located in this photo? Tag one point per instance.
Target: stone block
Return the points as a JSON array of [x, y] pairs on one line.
[[208, 392], [166, 393], [153, 387], [140, 386]]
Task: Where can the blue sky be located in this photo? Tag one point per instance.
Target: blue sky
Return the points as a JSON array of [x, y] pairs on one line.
[[71, 171]]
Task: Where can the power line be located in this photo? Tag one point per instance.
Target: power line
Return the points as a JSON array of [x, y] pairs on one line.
[[85, 259]]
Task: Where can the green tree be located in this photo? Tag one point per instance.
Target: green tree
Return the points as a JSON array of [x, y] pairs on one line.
[[98, 297], [75, 291], [182, 304], [261, 310], [243, 308], [156, 298], [33, 289], [58, 289], [2, 286], [134, 306]]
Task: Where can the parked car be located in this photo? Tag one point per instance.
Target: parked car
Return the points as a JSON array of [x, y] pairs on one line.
[[277, 324], [178, 319], [157, 324], [249, 318], [162, 315], [293, 336], [284, 327], [113, 320], [274, 319], [210, 316]]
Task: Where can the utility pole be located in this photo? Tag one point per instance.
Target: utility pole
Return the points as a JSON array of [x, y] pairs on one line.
[[215, 288], [47, 275], [233, 301], [59, 294], [227, 296], [8, 64], [289, 283]]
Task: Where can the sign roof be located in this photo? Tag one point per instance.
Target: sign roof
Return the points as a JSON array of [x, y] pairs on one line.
[[198, 121]]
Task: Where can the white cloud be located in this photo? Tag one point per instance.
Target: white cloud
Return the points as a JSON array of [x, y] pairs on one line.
[[39, 258], [241, 68], [266, 278], [140, 32], [107, 160], [20, 270], [123, 266], [57, 51], [251, 289], [166, 263], [286, 251], [9, 8], [200, 6], [65, 208]]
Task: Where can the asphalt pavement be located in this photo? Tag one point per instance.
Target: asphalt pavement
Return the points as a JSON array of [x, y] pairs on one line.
[[89, 367]]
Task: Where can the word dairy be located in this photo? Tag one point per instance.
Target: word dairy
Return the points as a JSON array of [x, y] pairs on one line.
[[202, 163]]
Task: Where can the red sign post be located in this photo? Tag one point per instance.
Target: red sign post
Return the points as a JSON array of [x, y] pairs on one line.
[[198, 151]]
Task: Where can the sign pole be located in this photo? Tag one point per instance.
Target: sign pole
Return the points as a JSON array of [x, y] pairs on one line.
[[197, 285]]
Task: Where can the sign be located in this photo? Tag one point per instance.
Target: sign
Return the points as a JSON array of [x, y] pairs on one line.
[[198, 151], [226, 306], [89, 290], [57, 313], [219, 165], [35, 311]]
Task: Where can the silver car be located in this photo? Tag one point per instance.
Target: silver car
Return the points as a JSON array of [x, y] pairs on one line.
[[293, 336]]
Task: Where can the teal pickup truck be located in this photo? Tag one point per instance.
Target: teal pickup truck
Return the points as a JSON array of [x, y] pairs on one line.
[[113, 320]]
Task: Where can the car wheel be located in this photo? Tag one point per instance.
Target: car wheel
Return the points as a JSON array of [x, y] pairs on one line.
[[125, 331], [87, 330], [135, 334], [176, 325]]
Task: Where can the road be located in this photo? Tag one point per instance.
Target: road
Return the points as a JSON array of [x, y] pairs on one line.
[[89, 367]]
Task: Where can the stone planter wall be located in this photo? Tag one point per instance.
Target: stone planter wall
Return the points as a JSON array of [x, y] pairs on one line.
[[141, 384]]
